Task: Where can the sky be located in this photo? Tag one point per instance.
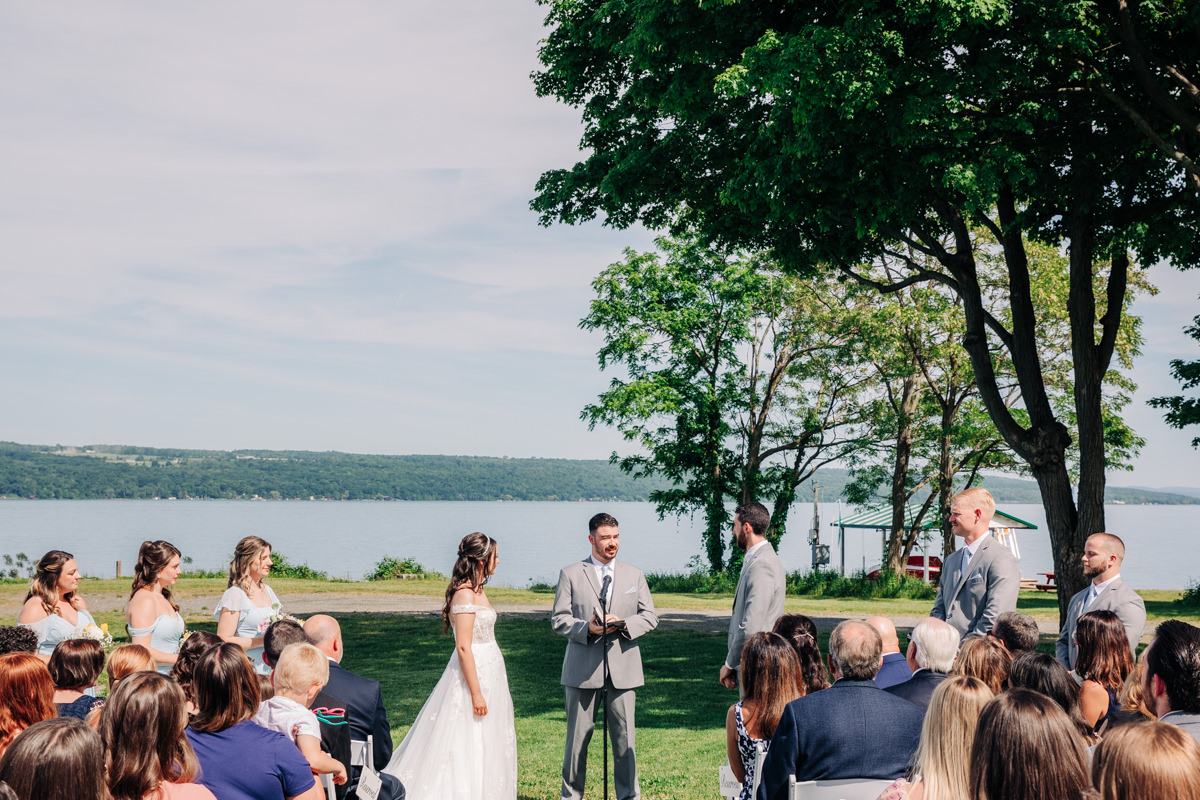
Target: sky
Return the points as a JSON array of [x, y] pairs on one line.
[[305, 226]]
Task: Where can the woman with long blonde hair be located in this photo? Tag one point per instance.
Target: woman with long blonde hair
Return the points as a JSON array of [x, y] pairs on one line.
[[53, 608], [1147, 761], [245, 609], [463, 742], [771, 678]]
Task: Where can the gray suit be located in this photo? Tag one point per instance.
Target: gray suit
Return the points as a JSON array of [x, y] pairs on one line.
[[758, 601], [1117, 597], [1190, 723], [577, 598], [971, 600]]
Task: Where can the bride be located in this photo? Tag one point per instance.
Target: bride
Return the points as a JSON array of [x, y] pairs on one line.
[[463, 743]]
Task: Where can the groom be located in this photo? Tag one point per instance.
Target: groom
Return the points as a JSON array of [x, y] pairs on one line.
[[577, 615]]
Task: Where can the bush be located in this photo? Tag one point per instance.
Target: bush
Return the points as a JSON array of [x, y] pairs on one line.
[[389, 568], [1191, 596], [543, 588], [283, 568], [14, 567], [824, 583], [698, 581]]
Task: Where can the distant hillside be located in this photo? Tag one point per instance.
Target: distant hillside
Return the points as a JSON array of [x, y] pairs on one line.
[[119, 471]]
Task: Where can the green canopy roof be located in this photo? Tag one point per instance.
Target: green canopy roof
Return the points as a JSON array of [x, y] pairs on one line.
[[881, 517]]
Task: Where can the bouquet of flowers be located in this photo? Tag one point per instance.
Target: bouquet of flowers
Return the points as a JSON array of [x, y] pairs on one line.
[[276, 615], [97, 633]]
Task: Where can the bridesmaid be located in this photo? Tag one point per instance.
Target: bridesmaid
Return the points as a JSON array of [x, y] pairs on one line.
[[245, 609], [53, 608], [153, 617]]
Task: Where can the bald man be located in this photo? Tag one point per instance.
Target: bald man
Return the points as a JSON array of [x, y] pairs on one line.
[[362, 696], [1102, 557], [895, 667]]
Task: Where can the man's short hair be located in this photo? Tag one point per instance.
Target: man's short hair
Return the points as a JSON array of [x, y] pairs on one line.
[[601, 520], [1017, 632], [856, 650], [278, 636], [936, 643], [1174, 656], [977, 497], [300, 666], [17, 639], [756, 515], [1112, 543]]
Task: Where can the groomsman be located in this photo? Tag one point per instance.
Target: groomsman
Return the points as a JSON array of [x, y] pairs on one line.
[[578, 616], [758, 601], [1102, 557]]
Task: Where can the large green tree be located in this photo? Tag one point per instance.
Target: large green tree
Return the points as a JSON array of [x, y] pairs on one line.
[[834, 134], [731, 386]]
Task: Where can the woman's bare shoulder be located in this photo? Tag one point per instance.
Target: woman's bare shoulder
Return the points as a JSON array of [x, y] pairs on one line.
[[32, 611]]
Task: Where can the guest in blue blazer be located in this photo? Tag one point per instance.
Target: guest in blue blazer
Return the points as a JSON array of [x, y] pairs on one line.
[[853, 729], [895, 667], [932, 646]]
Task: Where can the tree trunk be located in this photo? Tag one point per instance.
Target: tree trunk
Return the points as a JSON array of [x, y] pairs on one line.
[[909, 396]]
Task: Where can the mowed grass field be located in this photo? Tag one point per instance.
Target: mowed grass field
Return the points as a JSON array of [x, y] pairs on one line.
[[680, 711]]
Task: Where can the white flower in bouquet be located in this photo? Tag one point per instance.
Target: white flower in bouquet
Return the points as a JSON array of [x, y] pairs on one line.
[[277, 614], [97, 633]]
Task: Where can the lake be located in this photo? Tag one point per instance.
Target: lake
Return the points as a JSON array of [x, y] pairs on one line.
[[346, 539]]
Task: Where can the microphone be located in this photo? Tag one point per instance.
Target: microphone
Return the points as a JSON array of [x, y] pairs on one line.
[[604, 592]]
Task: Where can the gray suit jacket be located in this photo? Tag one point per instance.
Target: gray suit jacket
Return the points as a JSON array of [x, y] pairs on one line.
[[1117, 597], [1189, 722], [758, 601], [971, 601], [577, 598]]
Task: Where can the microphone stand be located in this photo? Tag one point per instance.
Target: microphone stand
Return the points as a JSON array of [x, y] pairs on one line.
[[604, 687]]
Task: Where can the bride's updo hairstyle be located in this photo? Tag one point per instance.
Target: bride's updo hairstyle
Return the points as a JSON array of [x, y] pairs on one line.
[[472, 568]]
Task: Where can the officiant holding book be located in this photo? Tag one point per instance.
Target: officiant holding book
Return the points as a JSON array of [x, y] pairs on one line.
[[601, 599]]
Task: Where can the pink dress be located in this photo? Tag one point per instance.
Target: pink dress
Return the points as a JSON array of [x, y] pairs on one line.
[[180, 791]]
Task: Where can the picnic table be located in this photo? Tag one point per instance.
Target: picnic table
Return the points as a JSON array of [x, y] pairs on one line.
[[1048, 585]]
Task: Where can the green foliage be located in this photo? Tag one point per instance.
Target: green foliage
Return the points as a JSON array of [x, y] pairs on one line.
[[698, 581], [389, 568], [1191, 596], [17, 567], [1182, 411], [824, 583], [283, 568]]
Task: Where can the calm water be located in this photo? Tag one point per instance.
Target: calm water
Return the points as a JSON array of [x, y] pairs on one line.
[[346, 539]]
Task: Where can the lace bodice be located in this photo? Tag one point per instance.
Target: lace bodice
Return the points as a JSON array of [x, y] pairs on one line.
[[485, 622]]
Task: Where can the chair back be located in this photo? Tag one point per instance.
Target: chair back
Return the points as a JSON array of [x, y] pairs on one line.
[[845, 789], [362, 753]]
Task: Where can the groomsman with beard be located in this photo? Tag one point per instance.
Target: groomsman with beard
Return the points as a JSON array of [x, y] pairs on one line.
[[578, 616], [758, 601]]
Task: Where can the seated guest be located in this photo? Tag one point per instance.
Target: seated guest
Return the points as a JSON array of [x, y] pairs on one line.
[[26, 694], [944, 754], [238, 759], [56, 759], [801, 633], [895, 667], [1017, 632], [17, 639], [1025, 748], [770, 676], [126, 660], [932, 646], [836, 733], [1172, 676], [1154, 761], [1132, 698], [147, 755], [75, 666], [190, 649], [298, 677], [1047, 676], [984, 658], [331, 711], [1103, 661]]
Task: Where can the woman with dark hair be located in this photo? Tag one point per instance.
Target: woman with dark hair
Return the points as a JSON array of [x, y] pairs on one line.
[[244, 611], [1047, 676], [146, 750], [26, 694], [1150, 761], [153, 617], [985, 658], [53, 608], [1025, 748], [1104, 662], [771, 678], [463, 742], [75, 666], [238, 759], [56, 759], [195, 645], [801, 633]]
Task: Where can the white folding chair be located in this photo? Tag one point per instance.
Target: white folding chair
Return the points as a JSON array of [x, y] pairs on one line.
[[362, 753], [327, 785], [847, 789]]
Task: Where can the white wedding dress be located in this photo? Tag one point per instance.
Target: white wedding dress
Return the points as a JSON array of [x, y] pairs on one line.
[[451, 754]]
